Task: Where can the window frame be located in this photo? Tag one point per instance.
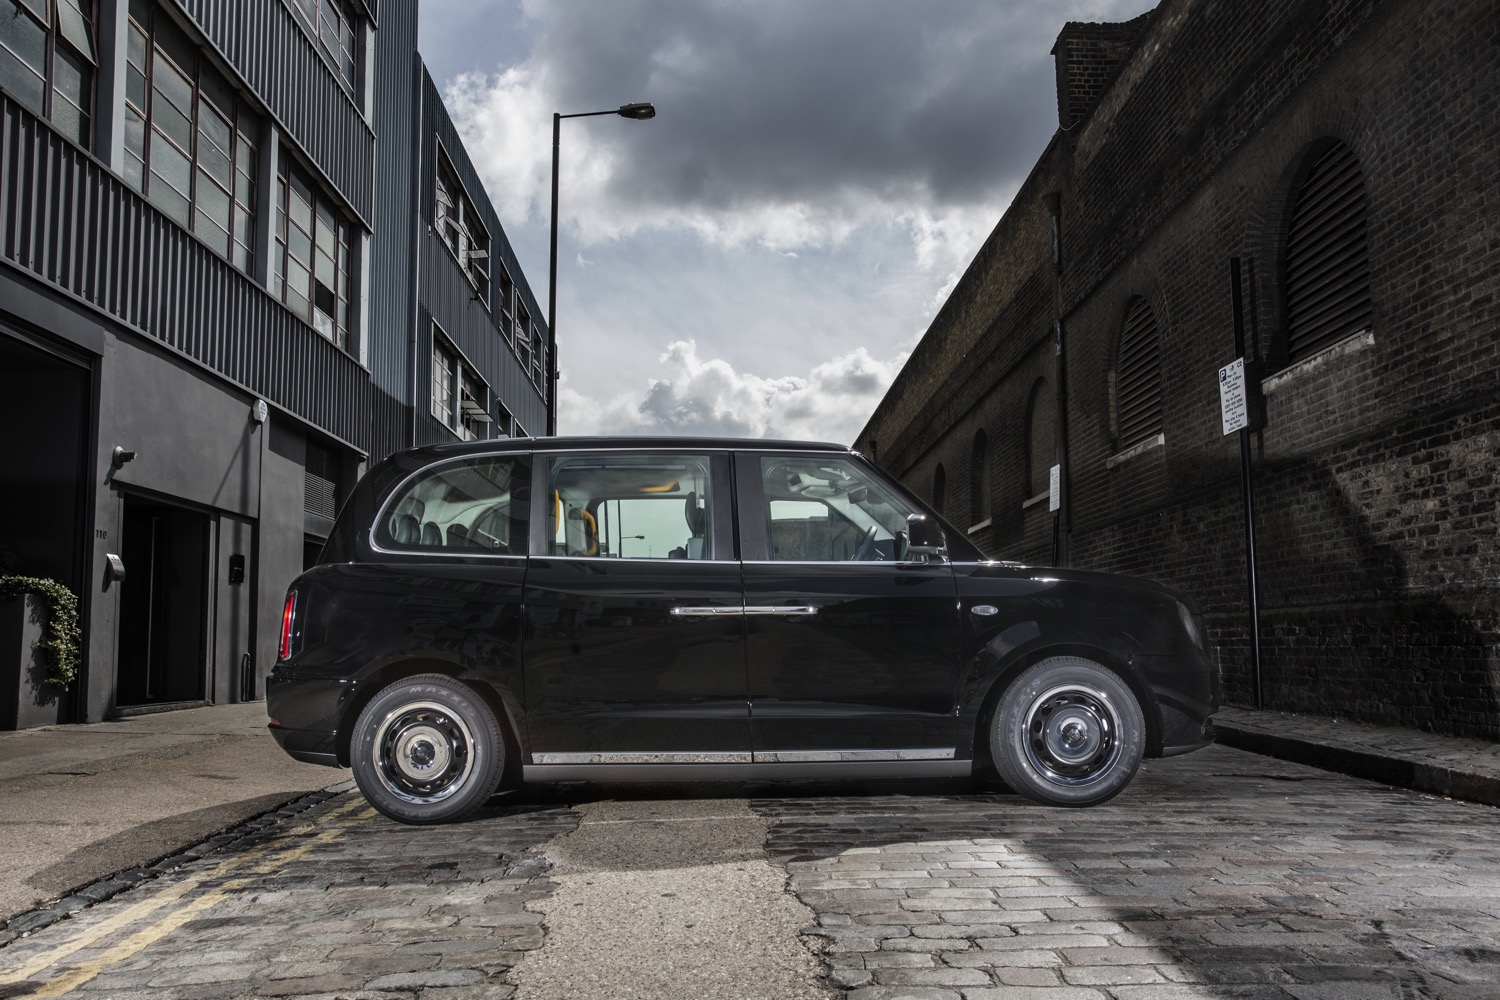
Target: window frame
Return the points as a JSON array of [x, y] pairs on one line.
[[348, 43], [239, 190], [55, 37], [321, 205], [459, 227], [460, 377], [382, 541], [719, 531]]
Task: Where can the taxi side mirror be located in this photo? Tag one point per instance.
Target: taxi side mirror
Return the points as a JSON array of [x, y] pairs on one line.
[[924, 538]]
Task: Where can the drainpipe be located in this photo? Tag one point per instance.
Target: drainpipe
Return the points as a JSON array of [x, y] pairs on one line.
[[1061, 522]]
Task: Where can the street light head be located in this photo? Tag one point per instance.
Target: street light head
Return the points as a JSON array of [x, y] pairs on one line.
[[640, 112]]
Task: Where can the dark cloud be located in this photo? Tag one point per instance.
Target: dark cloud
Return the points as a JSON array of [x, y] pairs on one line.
[[779, 101]]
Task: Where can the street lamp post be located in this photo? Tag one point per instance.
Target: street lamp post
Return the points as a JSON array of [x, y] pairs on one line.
[[637, 112]]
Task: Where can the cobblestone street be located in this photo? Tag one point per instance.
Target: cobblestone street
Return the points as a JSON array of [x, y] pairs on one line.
[[1218, 875]]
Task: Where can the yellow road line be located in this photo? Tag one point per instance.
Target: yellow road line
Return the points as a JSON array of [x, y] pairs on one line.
[[265, 858]]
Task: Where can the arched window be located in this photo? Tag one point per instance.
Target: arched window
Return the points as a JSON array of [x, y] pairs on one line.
[[939, 489], [1041, 438], [1138, 377], [979, 479], [1327, 255]]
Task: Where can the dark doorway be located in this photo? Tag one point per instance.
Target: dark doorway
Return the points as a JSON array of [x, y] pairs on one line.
[[163, 604]]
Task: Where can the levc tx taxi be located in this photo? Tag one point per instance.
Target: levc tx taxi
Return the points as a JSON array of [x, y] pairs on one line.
[[535, 610]]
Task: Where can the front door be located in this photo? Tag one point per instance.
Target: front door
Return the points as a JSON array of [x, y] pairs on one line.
[[634, 643], [852, 651], [164, 602]]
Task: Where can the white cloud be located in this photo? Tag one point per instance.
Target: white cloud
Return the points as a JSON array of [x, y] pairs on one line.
[[708, 396]]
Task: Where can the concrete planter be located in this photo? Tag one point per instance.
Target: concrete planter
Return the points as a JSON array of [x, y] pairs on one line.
[[26, 699]]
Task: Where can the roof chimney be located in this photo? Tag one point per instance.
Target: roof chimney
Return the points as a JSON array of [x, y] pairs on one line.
[[1087, 57]]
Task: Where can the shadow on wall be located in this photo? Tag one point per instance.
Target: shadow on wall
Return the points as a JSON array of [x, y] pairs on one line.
[[1343, 629]]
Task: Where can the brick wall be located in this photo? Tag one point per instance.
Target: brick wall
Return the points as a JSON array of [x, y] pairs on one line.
[[1374, 464]]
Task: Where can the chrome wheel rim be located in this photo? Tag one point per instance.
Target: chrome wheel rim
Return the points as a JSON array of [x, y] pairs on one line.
[[1072, 734], [423, 752]]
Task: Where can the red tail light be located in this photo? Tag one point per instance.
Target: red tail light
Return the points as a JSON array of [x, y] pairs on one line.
[[287, 615]]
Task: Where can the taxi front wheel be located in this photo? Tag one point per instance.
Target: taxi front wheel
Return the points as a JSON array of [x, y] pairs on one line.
[[1067, 732], [427, 749]]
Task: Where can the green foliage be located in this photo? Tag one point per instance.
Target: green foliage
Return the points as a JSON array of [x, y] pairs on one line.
[[64, 640]]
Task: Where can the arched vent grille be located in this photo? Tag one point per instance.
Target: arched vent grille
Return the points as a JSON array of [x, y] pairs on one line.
[[1138, 376], [1327, 257]]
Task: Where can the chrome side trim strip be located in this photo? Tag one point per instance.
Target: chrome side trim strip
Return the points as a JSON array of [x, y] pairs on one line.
[[733, 757], [832, 756], [748, 772], [691, 611]]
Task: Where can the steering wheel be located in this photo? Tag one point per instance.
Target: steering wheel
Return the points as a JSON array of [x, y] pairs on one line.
[[867, 545]]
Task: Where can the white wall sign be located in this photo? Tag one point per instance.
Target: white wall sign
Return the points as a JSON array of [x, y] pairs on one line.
[[1232, 407], [1054, 494]]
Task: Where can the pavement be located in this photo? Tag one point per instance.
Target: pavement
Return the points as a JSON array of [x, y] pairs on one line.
[[92, 809]]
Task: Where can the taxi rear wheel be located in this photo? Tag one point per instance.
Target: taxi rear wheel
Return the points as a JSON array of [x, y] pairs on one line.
[[427, 749], [1067, 732]]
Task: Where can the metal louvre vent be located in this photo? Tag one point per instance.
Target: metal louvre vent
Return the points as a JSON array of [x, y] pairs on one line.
[[1327, 257], [1138, 377], [320, 491]]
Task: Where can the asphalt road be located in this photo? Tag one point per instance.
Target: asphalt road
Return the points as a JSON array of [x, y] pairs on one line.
[[1218, 875]]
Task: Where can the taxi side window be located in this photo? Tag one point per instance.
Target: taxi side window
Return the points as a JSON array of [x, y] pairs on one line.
[[640, 506], [472, 506], [821, 509]]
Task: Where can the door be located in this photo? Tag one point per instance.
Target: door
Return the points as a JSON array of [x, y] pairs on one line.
[[852, 648], [634, 644], [164, 601]]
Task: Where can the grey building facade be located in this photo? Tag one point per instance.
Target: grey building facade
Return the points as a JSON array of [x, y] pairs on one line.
[[1346, 155], [243, 253]]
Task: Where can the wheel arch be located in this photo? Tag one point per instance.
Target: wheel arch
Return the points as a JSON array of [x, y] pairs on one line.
[[372, 684], [1021, 660]]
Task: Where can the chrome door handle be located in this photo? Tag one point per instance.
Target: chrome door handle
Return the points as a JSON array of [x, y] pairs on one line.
[[769, 609]]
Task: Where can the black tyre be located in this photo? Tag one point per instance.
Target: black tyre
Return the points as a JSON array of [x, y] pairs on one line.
[[427, 749], [1067, 732]]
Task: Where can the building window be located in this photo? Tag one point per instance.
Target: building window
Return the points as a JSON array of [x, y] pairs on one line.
[[979, 479], [189, 136], [47, 61], [1327, 255], [1137, 377], [458, 225], [335, 25], [523, 336], [458, 394], [939, 489], [311, 257], [507, 293], [1041, 441]]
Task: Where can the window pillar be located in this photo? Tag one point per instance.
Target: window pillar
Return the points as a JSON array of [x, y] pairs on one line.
[[109, 91], [266, 207]]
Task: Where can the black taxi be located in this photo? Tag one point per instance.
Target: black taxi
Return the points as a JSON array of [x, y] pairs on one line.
[[496, 612]]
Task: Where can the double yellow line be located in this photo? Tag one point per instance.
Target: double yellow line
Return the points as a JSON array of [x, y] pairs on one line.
[[252, 864]]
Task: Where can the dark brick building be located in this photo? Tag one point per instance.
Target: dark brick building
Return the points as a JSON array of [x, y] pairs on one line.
[[1346, 154]]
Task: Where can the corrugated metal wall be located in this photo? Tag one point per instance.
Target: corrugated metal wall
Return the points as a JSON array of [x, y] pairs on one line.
[[473, 325], [275, 56], [78, 227], [392, 271]]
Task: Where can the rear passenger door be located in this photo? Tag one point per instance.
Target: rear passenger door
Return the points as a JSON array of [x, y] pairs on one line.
[[635, 645]]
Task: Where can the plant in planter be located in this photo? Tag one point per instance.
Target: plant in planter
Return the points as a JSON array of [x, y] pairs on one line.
[[63, 640]]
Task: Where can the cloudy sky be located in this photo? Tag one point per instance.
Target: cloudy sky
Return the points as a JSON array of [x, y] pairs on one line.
[[760, 258]]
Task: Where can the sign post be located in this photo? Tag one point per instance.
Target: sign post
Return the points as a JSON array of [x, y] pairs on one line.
[[1234, 412]]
